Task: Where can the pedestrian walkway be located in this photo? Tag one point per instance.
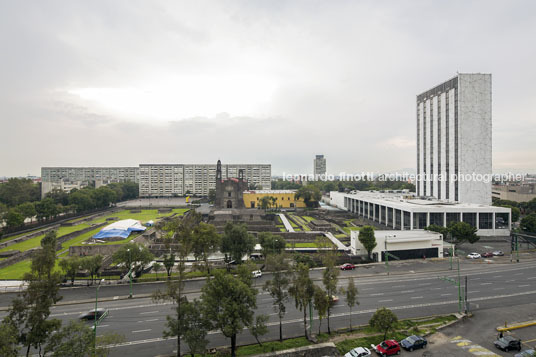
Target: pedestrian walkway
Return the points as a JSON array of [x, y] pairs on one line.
[[471, 347], [335, 241], [286, 223]]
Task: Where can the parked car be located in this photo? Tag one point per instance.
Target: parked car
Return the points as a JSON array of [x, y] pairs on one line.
[[256, 273], [487, 255], [387, 348], [334, 299], [90, 315], [508, 343], [526, 353], [473, 256], [359, 352], [498, 253], [347, 266], [413, 342]]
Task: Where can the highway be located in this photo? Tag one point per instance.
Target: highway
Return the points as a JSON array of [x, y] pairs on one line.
[[413, 294]]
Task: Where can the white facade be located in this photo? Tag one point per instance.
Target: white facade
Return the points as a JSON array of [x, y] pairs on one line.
[[402, 211], [401, 244], [454, 140], [168, 180], [319, 165]]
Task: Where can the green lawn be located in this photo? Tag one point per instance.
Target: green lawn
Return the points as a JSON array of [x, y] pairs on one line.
[[272, 346], [308, 218], [18, 235], [16, 271]]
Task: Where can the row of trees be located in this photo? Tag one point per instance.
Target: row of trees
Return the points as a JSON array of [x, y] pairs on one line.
[[18, 201], [459, 231], [28, 321]]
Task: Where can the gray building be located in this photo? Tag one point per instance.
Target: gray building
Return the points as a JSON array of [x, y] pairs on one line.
[[67, 178], [168, 180], [319, 165], [454, 140]]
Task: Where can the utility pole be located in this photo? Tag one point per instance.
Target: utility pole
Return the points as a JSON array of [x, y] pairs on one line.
[[386, 254], [459, 289], [310, 319], [466, 295]]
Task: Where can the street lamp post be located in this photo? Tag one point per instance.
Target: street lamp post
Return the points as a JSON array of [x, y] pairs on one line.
[[130, 272], [95, 314]]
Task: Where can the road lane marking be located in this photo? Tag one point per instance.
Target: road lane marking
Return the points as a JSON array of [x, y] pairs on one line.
[[138, 331], [377, 294], [387, 300], [103, 325], [518, 274], [498, 276], [424, 284], [445, 294], [486, 283], [416, 297], [498, 289], [148, 312], [475, 291], [407, 291], [532, 277], [522, 286], [151, 320]]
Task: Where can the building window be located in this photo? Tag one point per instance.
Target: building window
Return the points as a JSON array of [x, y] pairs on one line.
[[485, 221]]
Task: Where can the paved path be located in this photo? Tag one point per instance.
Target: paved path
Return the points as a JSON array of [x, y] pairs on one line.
[[286, 223]]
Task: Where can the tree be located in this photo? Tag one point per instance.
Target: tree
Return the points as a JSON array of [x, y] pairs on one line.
[[277, 287], [310, 195], [271, 244], [265, 202], [197, 328], [212, 195], [383, 320], [367, 238], [528, 223], [30, 311], [439, 229], [92, 264], [330, 278], [176, 325], [205, 242], [133, 255], [302, 290], [70, 267], [236, 241], [321, 304], [169, 262], [8, 339], [27, 209], [229, 302], [19, 190], [259, 328], [156, 267], [462, 231], [75, 339], [46, 209], [13, 218], [351, 297]]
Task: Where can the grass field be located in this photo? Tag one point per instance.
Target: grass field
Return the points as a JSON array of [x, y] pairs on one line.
[[16, 271]]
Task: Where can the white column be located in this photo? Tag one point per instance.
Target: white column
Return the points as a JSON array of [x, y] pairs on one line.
[[477, 220], [410, 220], [444, 219], [427, 219], [373, 212], [394, 218], [493, 222], [401, 220]]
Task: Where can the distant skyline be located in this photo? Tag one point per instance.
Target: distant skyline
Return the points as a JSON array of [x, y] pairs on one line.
[[119, 83]]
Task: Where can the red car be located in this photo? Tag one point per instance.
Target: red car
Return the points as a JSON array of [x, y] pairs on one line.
[[347, 266], [487, 255], [387, 348]]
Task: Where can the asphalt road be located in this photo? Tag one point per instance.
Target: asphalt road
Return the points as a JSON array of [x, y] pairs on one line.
[[413, 294]]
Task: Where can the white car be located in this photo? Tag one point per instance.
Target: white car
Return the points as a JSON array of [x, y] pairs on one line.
[[473, 256], [256, 273], [359, 352]]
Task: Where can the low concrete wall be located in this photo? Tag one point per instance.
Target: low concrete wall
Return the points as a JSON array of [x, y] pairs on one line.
[[28, 236], [72, 235], [18, 257], [318, 350], [90, 249]]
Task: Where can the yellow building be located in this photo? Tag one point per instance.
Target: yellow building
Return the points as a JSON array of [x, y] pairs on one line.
[[283, 198]]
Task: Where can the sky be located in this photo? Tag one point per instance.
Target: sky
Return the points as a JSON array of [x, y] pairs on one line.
[[119, 83]]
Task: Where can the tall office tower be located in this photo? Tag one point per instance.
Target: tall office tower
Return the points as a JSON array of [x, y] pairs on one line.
[[319, 165], [454, 140]]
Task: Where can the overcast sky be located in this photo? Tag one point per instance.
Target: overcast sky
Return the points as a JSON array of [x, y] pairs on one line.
[[118, 83]]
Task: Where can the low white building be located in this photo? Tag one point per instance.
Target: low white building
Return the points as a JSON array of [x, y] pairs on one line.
[[401, 245], [401, 210]]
